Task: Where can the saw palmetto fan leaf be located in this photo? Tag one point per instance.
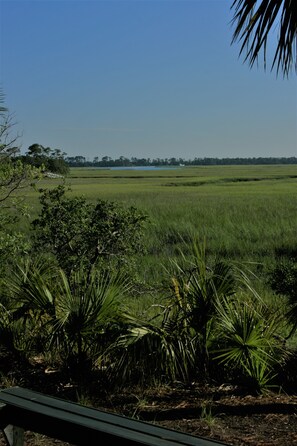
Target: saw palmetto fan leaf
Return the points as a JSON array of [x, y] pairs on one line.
[[254, 22]]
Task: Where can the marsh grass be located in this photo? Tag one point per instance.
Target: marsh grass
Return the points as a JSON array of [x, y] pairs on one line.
[[245, 213]]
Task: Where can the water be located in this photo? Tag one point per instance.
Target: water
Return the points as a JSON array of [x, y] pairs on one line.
[[145, 168]]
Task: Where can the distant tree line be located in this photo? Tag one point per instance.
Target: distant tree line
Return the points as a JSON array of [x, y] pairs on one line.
[[106, 161], [57, 161]]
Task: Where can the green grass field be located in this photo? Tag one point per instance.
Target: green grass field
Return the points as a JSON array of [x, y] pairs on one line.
[[245, 213]]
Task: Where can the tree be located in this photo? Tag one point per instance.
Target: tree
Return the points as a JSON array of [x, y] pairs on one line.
[[14, 175], [82, 234], [46, 158], [254, 22]]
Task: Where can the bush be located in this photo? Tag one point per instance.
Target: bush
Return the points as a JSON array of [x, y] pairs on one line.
[[83, 235]]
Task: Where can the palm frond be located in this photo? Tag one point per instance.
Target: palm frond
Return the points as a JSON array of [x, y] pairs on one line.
[[85, 306], [248, 335], [29, 287], [254, 23]]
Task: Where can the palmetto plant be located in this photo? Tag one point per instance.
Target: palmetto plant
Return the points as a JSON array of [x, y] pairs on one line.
[[30, 301], [149, 349], [249, 338], [152, 351], [284, 282], [6, 329], [197, 288], [255, 20], [72, 316], [174, 344], [87, 312]]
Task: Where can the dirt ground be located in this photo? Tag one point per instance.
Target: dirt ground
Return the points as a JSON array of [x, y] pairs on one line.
[[219, 414]]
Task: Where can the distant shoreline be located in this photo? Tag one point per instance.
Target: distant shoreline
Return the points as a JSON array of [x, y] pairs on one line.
[[169, 163]]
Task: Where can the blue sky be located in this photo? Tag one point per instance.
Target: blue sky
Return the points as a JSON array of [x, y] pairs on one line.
[[144, 78]]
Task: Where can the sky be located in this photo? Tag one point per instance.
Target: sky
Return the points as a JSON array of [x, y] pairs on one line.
[[141, 78]]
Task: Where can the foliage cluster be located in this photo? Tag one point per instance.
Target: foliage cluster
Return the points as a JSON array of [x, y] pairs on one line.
[[52, 160], [83, 235], [210, 324], [14, 175]]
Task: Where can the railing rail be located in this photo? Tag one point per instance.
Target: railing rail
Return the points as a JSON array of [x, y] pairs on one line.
[[23, 409]]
